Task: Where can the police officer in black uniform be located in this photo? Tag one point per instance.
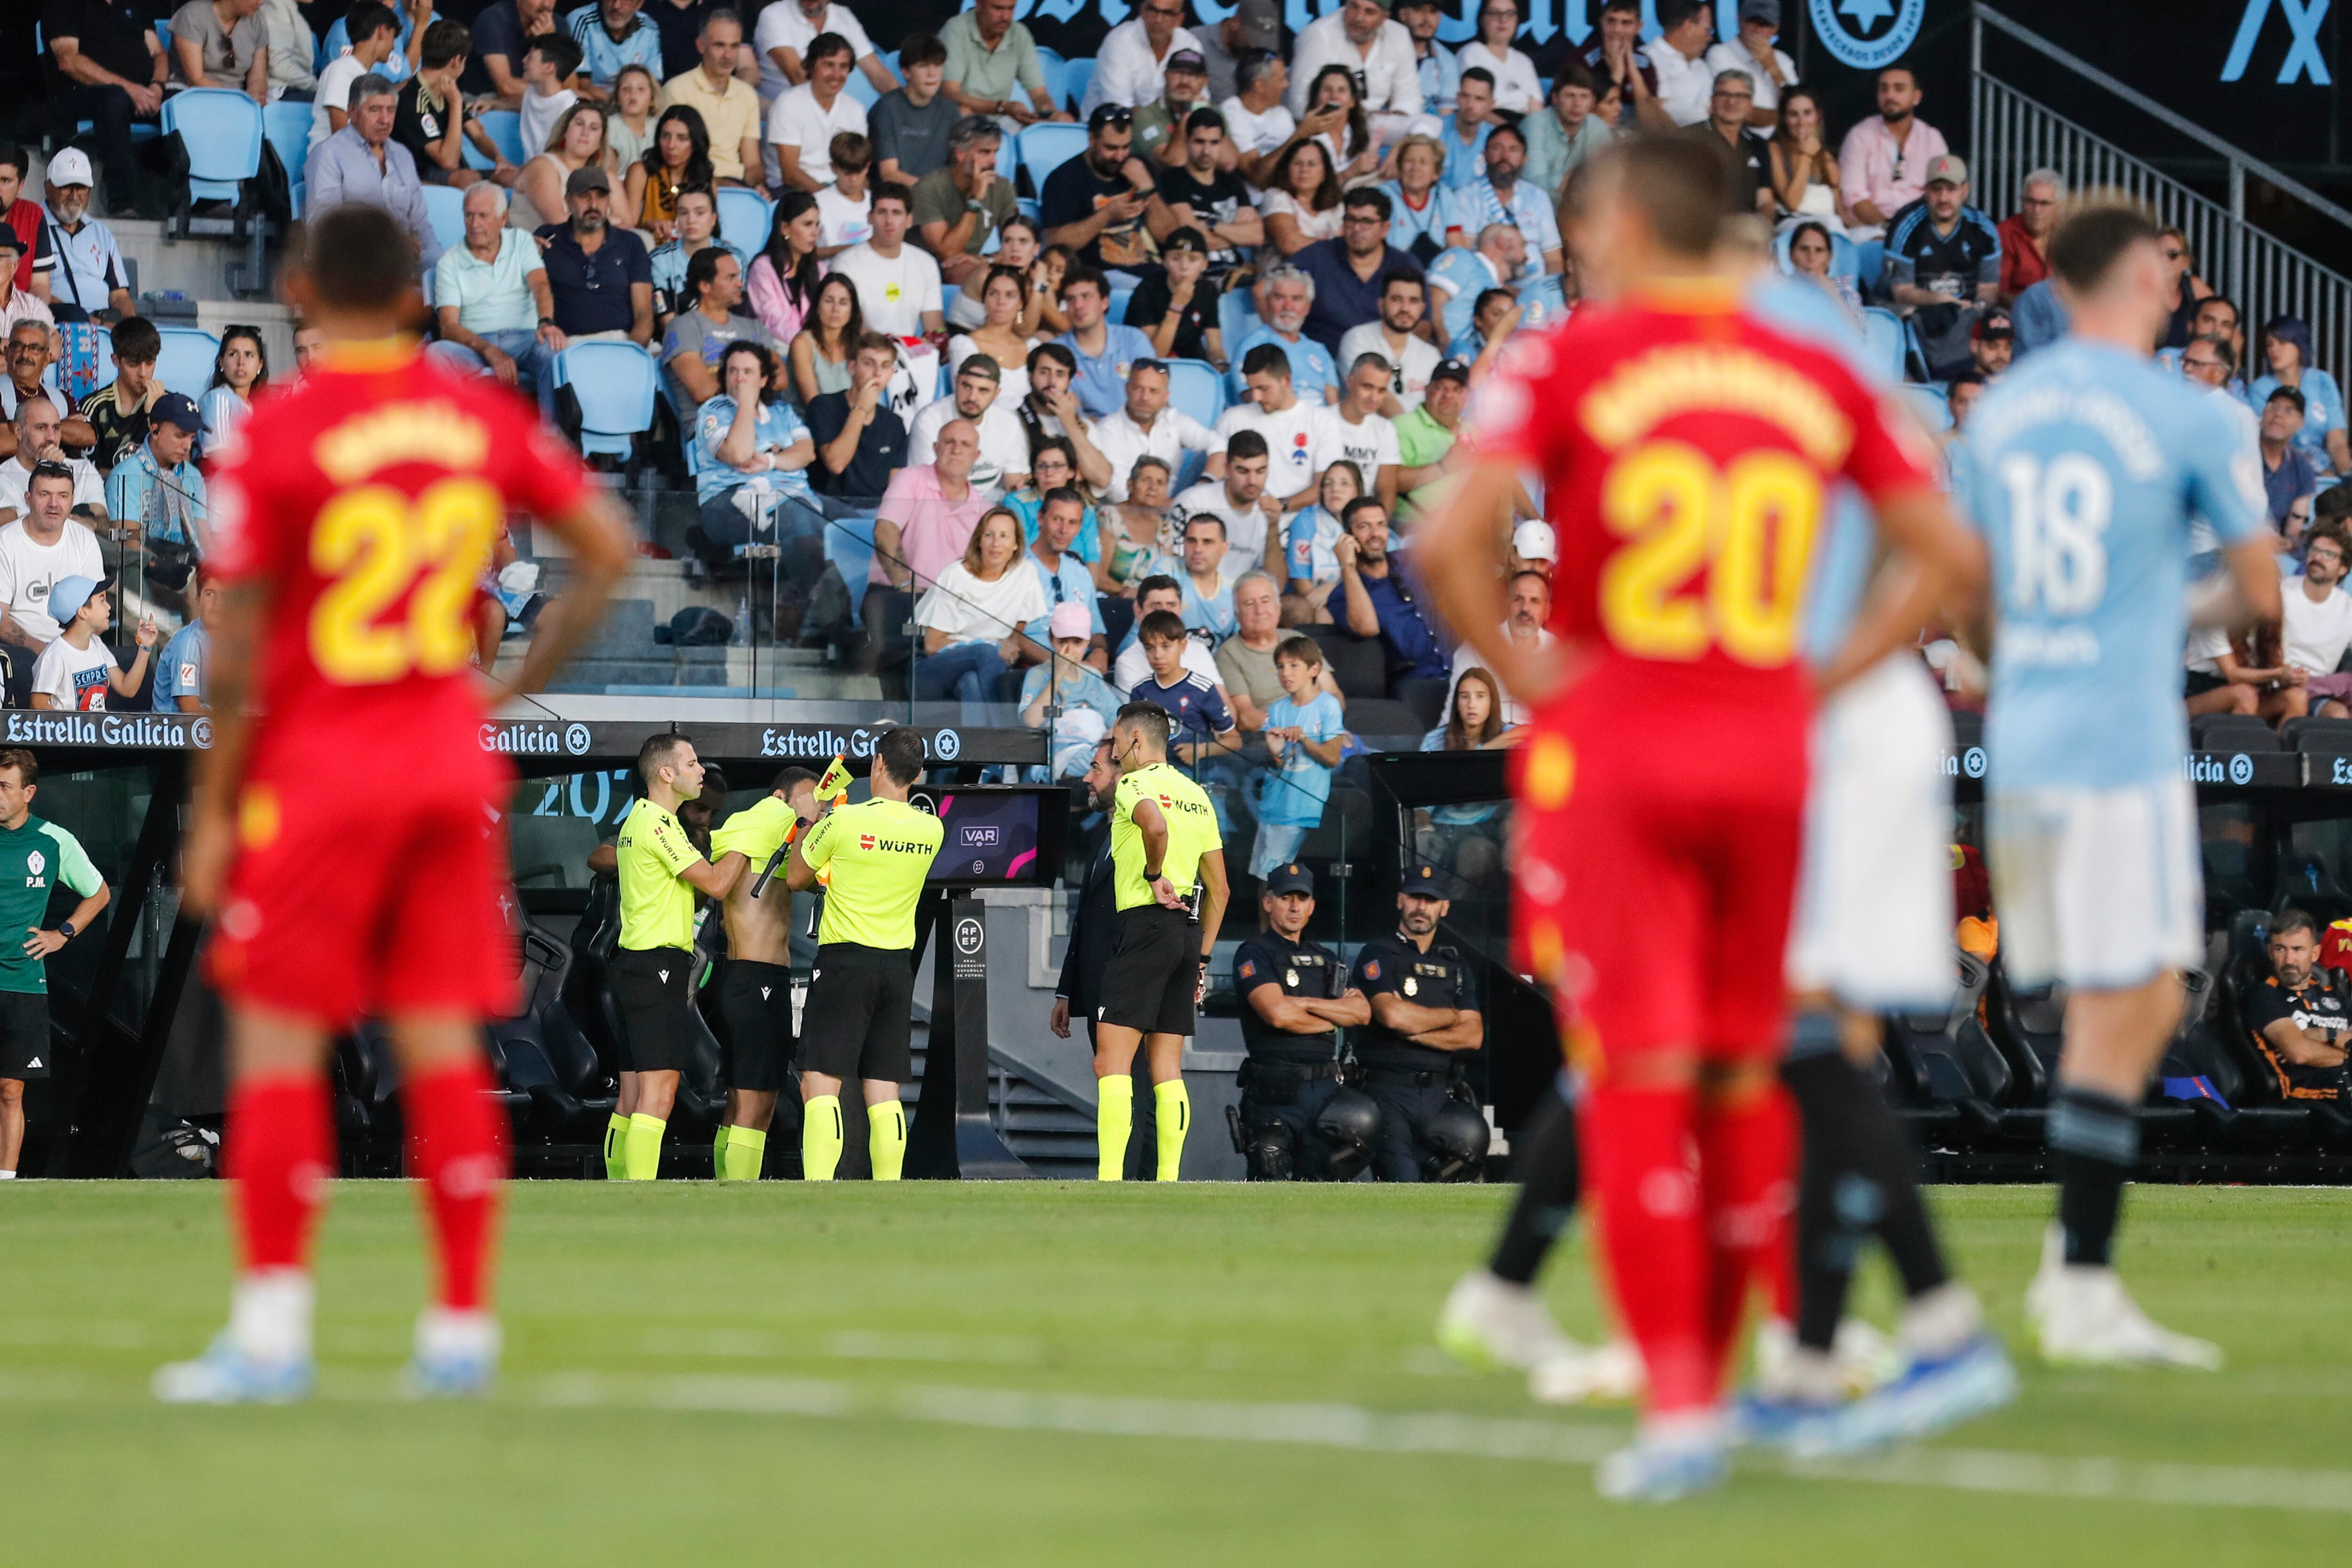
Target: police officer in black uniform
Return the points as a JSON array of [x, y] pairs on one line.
[[1294, 997], [1079, 991], [1425, 1021]]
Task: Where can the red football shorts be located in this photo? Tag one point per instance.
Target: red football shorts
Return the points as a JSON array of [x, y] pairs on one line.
[[368, 898], [1658, 842]]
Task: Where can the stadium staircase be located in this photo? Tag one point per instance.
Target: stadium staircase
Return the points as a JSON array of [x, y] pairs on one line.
[[2014, 134], [1051, 1128]]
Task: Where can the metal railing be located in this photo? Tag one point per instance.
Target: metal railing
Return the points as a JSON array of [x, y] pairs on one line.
[[2015, 134]]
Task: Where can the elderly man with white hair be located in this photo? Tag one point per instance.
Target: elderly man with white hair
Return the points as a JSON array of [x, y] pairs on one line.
[[2025, 232], [361, 163], [492, 307], [1285, 298]]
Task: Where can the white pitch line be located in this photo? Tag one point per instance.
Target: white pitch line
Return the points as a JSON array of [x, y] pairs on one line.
[[1440, 1432]]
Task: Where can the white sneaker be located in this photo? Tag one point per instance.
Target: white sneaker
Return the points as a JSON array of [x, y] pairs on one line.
[[2053, 1261], [457, 1355], [1491, 1323], [1864, 1357], [1668, 1460], [1606, 1374], [2086, 1317]]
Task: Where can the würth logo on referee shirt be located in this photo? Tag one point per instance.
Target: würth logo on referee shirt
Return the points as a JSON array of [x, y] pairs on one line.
[[865, 841]]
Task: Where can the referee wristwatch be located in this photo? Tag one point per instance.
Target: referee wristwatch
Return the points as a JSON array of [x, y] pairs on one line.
[[66, 930]]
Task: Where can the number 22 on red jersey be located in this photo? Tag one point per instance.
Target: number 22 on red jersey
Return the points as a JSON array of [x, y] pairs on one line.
[[1686, 478], [373, 509]]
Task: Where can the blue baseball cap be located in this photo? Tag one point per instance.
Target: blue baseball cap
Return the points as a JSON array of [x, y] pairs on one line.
[[1291, 878], [68, 595]]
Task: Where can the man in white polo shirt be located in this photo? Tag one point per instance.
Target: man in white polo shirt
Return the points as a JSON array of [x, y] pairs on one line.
[[1147, 426]]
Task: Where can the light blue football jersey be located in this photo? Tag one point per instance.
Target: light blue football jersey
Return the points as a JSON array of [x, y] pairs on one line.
[[1848, 542], [2083, 468]]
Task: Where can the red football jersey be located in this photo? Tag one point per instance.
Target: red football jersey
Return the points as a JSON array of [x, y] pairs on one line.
[[1686, 451], [369, 496]]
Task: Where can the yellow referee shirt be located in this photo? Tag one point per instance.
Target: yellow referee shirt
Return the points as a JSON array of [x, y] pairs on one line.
[[657, 902], [880, 852], [1193, 832], [756, 832]]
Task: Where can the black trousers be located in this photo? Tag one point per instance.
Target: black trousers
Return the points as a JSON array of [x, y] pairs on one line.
[[110, 110], [1406, 1108]]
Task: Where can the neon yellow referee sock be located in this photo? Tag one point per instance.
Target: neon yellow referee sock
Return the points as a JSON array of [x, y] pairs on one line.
[[1114, 1120], [718, 1153], [747, 1150], [820, 1137], [617, 1143], [1172, 1108], [886, 1137], [643, 1155]]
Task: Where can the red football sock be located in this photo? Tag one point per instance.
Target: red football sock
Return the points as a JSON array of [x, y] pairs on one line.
[[457, 1143], [281, 1150], [1637, 1146], [1747, 1175]]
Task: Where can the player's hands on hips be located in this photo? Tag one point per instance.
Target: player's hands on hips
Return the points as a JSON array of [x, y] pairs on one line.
[[40, 944], [1169, 899], [1060, 1020], [203, 862]]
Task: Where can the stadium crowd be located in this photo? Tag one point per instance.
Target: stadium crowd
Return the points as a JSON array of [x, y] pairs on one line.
[[1148, 409]]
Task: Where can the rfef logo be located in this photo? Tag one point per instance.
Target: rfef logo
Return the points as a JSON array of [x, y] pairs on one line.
[[1850, 29]]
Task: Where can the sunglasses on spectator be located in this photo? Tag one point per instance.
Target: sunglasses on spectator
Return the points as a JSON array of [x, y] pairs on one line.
[[1114, 114]]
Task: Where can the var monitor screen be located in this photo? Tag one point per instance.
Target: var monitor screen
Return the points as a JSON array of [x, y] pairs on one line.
[[996, 835]]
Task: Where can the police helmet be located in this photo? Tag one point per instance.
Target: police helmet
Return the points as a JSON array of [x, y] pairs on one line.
[[1350, 1122], [1454, 1142]]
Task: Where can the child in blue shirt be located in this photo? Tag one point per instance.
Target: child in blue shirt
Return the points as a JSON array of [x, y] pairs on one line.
[[1304, 732]]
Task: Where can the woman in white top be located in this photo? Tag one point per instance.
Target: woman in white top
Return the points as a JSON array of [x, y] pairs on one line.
[[577, 142], [1517, 89], [629, 128], [1304, 204], [999, 335], [1016, 246], [1804, 170], [240, 370], [1355, 153], [972, 618]]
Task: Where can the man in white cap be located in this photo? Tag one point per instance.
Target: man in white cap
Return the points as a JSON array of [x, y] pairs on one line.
[[91, 274], [1534, 547]]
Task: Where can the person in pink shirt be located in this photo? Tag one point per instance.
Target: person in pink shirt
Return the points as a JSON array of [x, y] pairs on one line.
[[1883, 164]]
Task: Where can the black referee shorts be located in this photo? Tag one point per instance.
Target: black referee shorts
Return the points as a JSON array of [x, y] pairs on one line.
[[755, 1002], [859, 1011], [1155, 966], [654, 989], [25, 1044]]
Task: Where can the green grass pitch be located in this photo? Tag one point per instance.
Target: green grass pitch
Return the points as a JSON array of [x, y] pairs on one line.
[[1045, 1375]]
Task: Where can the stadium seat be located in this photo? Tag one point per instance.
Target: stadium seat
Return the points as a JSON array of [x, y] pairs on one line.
[[1883, 329], [1008, 162], [1359, 665], [1869, 265], [504, 128], [221, 131], [1944, 1059], [1076, 77], [446, 206], [744, 216], [1236, 319], [2322, 737], [849, 545], [1932, 404], [861, 89], [1055, 67], [1381, 723], [1117, 311], [186, 364], [1046, 147], [616, 384], [1195, 388], [286, 127], [2232, 732]]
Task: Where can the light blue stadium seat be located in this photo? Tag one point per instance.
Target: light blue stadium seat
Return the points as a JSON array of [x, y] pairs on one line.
[[504, 128], [1045, 148], [1195, 388], [861, 89], [1236, 319], [1116, 312], [849, 545], [1932, 404], [616, 384], [286, 127], [1007, 159], [1076, 77], [890, 58], [221, 130], [1845, 256], [446, 205], [186, 361], [744, 216], [1883, 330], [1056, 67], [1870, 262]]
